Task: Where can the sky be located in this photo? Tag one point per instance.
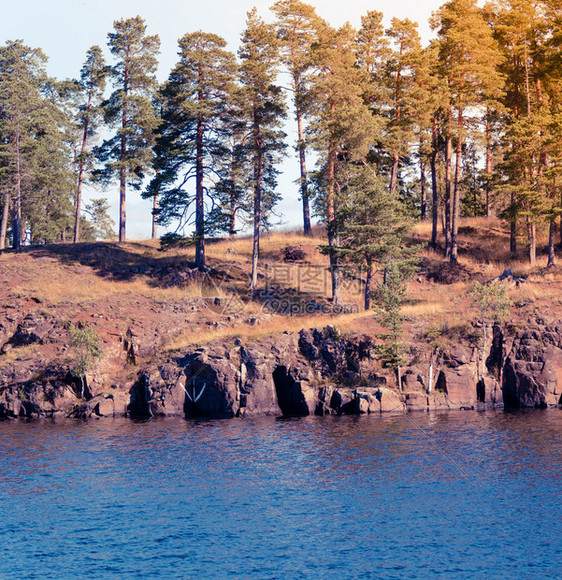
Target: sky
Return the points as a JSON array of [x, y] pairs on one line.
[[65, 29]]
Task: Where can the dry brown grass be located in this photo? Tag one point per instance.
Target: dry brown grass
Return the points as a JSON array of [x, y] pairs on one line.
[[21, 353], [54, 284], [60, 278], [277, 324], [271, 247]]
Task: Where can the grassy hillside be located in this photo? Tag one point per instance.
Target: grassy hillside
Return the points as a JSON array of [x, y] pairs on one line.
[[159, 297]]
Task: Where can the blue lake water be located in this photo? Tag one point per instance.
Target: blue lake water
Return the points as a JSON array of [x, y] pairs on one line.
[[451, 495]]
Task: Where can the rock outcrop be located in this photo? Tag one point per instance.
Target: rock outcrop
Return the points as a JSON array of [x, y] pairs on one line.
[[281, 376], [315, 371], [532, 375]]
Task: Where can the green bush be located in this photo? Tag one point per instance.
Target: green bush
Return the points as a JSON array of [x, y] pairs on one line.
[[87, 350]]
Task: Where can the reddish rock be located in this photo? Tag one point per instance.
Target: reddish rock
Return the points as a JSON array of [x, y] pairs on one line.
[[416, 402], [389, 401], [532, 374]]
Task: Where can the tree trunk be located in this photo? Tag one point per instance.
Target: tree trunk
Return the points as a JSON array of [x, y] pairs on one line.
[[394, 174], [332, 226], [16, 218], [258, 174], [199, 200], [551, 242], [368, 285], [304, 176], [232, 200], [123, 155], [154, 234], [488, 165], [78, 201], [434, 192], [513, 231], [423, 193], [122, 197], [4, 222], [456, 195], [448, 156], [532, 234], [232, 216], [398, 115]]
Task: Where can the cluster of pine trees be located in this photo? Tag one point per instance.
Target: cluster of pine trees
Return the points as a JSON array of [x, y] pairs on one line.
[[468, 125]]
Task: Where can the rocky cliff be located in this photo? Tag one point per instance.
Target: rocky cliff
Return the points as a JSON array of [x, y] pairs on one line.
[[532, 373], [315, 371]]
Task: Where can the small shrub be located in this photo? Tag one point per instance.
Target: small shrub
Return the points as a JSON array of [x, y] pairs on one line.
[[86, 345], [293, 254], [173, 240], [331, 332], [492, 302]]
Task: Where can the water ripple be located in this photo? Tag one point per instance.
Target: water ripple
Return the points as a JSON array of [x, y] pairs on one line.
[[448, 495]]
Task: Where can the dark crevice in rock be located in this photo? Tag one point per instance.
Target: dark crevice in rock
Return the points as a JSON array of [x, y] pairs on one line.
[[289, 394], [481, 391], [139, 407], [441, 384]]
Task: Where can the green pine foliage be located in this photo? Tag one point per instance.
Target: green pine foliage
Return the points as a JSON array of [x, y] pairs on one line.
[[129, 111], [194, 132], [297, 29], [89, 116], [389, 299], [373, 228], [263, 110], [35, 175]]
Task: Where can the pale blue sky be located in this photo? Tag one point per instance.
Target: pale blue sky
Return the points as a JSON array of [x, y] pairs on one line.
[[65, 29]]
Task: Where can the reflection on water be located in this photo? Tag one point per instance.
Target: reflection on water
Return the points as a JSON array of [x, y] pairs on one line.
[[417, 495]]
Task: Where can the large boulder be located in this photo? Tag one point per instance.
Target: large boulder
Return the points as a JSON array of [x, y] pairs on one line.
[[160, 393], [457, 379], [532, 374]]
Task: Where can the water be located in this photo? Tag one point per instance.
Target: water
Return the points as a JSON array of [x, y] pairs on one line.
[[451, 495]]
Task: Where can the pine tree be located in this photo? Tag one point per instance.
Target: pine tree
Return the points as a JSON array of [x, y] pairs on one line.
[[34, 153], [469, 57], [428, 100], [92, 86], [372, 55], [130, 110], [343, 126], [401, 74], [264, 111], [521, 30], [22, 70], [100, 225], [373, 227], [48, 205], [296, 27], [194, 126]]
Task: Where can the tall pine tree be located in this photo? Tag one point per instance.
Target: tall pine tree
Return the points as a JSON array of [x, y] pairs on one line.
[[343, 126], [297, 25], [194, 126], [130, 110], [469, 57], [264, 111], [92, 87]]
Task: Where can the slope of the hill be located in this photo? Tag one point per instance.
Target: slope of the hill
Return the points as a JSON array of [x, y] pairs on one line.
[[177, 341]]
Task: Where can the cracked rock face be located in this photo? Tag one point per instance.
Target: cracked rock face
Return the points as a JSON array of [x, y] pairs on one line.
[[281, 376], [293, 374], [532, 374]]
